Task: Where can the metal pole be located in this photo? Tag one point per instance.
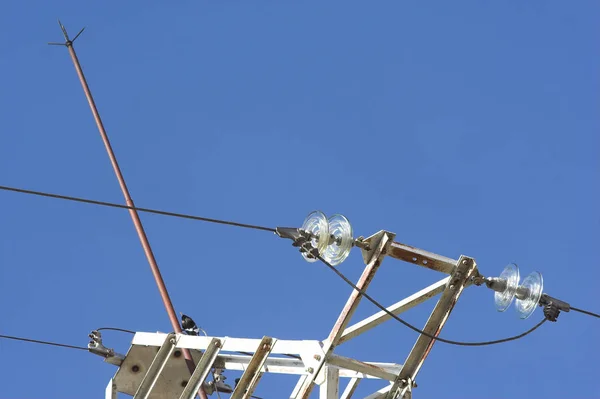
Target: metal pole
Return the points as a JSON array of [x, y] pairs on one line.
[[134, 215]]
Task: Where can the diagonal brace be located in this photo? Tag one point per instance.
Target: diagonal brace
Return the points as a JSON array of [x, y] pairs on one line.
[[251, 377], [202, 369], [157, 366], [378, 245], [465, 268]]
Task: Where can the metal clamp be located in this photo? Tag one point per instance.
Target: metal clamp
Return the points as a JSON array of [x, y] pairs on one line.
[[96, 347]]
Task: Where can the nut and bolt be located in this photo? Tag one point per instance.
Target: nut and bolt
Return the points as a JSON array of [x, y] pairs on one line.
[[317, 357], [310, 370]]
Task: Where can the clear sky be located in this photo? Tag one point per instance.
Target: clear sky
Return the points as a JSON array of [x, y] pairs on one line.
[[465, 127]]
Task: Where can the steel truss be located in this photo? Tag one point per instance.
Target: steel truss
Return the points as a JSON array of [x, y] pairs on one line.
[[155, 368]]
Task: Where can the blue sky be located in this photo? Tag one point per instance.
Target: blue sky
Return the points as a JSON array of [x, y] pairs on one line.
[[464, 127]]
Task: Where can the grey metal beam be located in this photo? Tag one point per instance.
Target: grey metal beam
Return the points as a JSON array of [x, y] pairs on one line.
[[459, 279], [247, 384], [159, 362], [202, 369], [330, 388]]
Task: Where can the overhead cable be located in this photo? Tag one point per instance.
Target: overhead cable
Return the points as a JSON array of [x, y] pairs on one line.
[[147, 210]]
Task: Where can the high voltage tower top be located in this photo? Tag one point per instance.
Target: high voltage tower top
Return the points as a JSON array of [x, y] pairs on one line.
[[176, 365]]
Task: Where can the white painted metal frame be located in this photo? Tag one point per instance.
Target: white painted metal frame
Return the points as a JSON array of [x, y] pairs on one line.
[[317, 364]]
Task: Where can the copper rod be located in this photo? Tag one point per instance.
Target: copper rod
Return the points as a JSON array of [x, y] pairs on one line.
[[134, 215]]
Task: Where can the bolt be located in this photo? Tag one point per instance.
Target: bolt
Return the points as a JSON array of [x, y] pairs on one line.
[[218, 344], [310, 370], [266, 346], [135, 368], [177, 353], [173, 341], [464, 262], [317, 357]]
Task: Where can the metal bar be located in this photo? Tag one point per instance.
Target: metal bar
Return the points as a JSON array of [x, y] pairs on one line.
[[379, 242], [407, 303], [422, 258], [111, 390], [231, 344], [465, 268], [380, 393], [370, 370], [298, 386], [247, 384], [202, 369], [350, 388], [129, 201], [158, 364], [330, 388], [365, 368]]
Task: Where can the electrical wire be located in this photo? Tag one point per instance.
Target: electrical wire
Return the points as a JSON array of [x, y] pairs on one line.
[[115, 329], [587, 312], [35, 341], [447, 341], [147, 210]]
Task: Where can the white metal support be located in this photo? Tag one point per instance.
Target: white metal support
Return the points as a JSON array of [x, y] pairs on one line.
[[159, 362], [459, 279], [380, 393], [202, 369], [350, 388], [111, 390], [407, 303], [298, 386], [378, 244], [330, 388], [247, 384], [383, 371]]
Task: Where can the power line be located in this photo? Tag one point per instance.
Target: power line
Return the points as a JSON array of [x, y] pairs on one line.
[[447, 341], [147, 210], [35, 341], [115, 329], [586, 312]]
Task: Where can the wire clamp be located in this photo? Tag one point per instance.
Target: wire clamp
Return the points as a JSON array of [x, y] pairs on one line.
[[553, 306], [96, 347]]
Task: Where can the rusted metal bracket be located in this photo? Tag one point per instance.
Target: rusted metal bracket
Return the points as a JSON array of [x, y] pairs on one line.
[[422, 258], [251, 377], [458, 280]]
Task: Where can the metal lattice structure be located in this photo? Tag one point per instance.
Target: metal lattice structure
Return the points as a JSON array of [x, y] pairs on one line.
[[155, 368]]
